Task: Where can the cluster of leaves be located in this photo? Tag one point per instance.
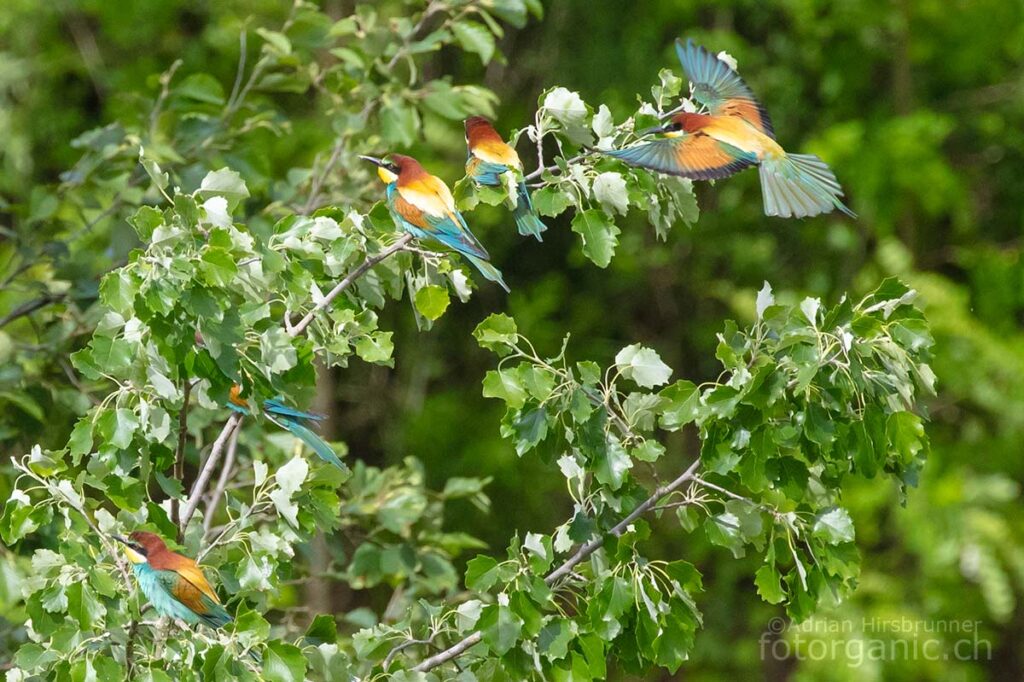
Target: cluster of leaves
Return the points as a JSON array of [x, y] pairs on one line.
[[228, 286], [807, 398]]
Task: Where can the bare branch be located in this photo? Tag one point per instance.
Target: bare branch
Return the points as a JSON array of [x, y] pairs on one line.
[[565, 569], [347, 282], [199, 487], [222, 482]]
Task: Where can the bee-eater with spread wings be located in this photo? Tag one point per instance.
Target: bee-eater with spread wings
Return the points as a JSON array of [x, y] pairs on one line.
[[294, 421], [422, 205], [488, 158], [735, 133], [173, 584]]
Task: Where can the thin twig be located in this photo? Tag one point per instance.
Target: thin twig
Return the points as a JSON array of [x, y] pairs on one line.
[[199, 487], [432, 9], [30, 307], [565, 569], [405, 645], [222, 482], [537, 173], [349, 279]]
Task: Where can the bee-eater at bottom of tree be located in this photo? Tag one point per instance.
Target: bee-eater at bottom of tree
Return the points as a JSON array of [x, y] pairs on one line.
[[294, 421], [735, 134], [422, 205], [489, 157], [173, 583]]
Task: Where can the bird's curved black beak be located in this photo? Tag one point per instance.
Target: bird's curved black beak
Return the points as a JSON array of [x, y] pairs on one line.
[[375, 161], [656, 129], [122, 540]]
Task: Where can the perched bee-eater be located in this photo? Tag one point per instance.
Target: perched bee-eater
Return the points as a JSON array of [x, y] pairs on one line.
[[422, 205], [173, 583], [294, 421], [488, 158], [734, 134]]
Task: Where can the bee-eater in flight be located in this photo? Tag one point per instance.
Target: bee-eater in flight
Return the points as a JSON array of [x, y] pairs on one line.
[[173, 584], [294, 421], [488, 158], [422, 205], [733, 134]]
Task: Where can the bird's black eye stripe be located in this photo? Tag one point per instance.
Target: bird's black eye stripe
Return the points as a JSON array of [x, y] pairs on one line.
[[138, 548]]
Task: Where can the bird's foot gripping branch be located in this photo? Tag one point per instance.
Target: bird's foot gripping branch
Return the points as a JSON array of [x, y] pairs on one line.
[[807, 397]]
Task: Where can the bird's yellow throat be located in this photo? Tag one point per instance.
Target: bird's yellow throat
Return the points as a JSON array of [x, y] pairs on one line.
[[386, 176], [134, 556]]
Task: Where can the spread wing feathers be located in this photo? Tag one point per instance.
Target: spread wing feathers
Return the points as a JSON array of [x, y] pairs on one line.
[[496, 152], [721, 89], [697, 157], [485, 172], [448, 228]]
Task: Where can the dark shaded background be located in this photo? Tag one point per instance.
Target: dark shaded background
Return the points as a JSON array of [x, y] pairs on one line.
[[917, 104]]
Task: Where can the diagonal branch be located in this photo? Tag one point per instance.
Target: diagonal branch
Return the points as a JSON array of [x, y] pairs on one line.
[[232, 423], [347, 282], [565, 569]]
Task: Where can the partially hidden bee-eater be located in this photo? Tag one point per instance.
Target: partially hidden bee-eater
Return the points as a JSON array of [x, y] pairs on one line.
[[733, 134], [294, 421], [173, 583], [422, 205], [488, 158]]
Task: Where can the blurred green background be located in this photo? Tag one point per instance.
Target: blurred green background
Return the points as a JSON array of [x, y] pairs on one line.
[[918, 105]]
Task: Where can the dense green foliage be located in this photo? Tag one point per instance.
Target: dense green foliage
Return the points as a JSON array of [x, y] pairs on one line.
[[224, 196]]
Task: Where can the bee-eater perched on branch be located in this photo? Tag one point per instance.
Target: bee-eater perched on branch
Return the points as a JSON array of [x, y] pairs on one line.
[[294, 421], [488, 158], [734, 134], [422, 205], [173, 584]]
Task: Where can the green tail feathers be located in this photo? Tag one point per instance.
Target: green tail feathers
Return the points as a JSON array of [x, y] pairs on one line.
[[318, 444], [800, 186], [488, 271], [527, 221], [216, 615]]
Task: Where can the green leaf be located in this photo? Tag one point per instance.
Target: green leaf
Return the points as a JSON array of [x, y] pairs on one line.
[[217, 266], [682, 406], [724, 530], [531, 427], [481, 573], [501, 628], [504, 385], [475, 37], [599, 233], [126, 425], [497, 332], [277, 351], [284, 663], [553, 640], [642, 365], [376, 347], [277, 42], [769, 584], [551, 201], [834, 526], [224, 183], [432, 301], [201, 87], [612, 467]]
